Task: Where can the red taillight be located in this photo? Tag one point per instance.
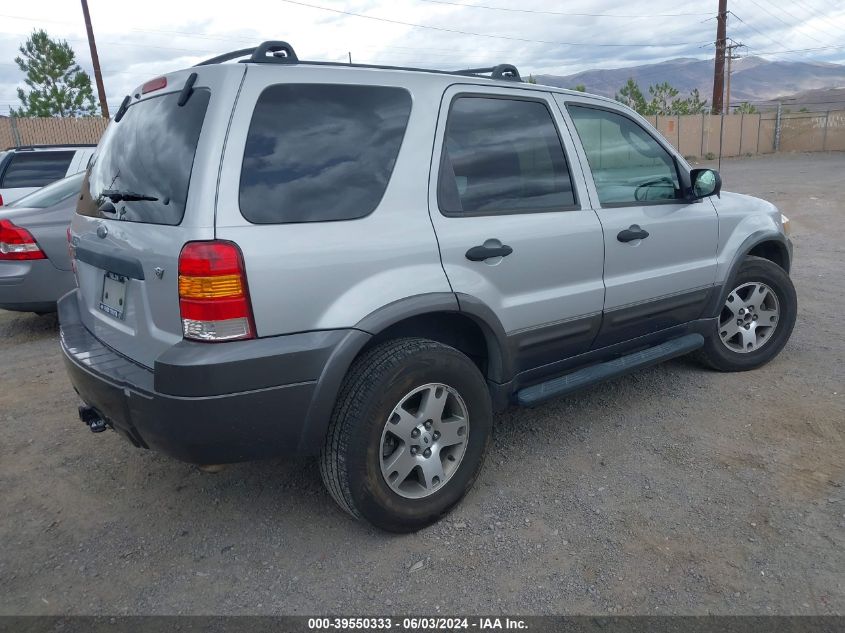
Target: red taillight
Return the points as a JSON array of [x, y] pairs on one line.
[[1, 200], [17, 243], [213, 295], [154, 84]]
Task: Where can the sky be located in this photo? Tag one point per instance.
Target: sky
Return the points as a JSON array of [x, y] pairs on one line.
[[139, 39]]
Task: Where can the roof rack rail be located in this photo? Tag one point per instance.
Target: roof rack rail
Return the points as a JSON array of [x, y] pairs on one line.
[[506, 72], [281, 53], [278, 52]]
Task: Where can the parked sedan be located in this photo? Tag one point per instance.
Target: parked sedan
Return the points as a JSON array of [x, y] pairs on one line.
[[35, 267]]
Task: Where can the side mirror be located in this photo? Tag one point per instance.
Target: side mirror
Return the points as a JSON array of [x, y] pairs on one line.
[[705, 183]]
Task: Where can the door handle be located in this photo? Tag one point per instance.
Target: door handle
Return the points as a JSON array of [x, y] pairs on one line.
[[633, 232], [480, 253]]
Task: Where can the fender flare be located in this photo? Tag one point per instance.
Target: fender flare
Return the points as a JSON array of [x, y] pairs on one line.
[[342, 357], [748, 244]]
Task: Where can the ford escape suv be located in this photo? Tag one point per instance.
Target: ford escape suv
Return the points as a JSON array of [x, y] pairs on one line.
[[279, 257]]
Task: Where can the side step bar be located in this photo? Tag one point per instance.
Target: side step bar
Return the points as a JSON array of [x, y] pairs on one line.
[[588, 376]]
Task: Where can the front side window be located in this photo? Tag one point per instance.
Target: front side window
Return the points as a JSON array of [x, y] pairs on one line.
[[318, 152], [502, 156], [36, 169], [629, 166]]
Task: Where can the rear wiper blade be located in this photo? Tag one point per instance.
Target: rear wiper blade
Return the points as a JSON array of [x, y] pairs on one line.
[[116, 195]]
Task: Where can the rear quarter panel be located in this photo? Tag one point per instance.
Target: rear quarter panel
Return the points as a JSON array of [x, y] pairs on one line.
[[325, 275]]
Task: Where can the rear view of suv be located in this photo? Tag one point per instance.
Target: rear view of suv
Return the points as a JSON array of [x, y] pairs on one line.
[[25, 169], [278, 257]]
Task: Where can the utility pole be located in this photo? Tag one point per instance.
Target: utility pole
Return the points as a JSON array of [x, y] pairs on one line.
[[730, 58], [95, 60], [719, 68]]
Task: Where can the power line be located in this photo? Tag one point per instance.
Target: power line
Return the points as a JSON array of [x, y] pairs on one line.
[[797, 19], [768, 37], [487, 35], [564, 13], [782, 21], [814, 12]]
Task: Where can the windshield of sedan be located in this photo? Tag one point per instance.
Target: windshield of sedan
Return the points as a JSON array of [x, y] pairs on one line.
[[53, 193]]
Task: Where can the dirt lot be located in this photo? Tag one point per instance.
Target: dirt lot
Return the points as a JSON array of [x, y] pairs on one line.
[[675, 490]]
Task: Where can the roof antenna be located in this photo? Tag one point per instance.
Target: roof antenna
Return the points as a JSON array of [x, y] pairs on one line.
[[350, 58]]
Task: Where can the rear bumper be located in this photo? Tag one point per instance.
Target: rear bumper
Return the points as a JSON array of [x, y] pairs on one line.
[[32, 286], [208, 403]]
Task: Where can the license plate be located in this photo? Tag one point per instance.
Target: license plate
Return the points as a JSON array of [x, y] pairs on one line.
[[114, 295]]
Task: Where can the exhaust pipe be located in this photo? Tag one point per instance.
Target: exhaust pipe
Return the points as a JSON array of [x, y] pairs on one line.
[[92, 419]]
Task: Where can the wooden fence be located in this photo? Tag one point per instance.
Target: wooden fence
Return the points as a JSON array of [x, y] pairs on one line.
[[697, 135], [15, 132]]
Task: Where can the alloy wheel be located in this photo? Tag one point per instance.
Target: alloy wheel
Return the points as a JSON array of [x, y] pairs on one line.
[[749, 318], [424, 440]]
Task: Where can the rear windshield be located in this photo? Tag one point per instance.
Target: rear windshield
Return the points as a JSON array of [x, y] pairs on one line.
[[148, 153], [52, 194], [35, 169], [321, 152]]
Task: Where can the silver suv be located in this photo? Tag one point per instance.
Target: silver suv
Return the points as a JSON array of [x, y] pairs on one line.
[[280, 257]]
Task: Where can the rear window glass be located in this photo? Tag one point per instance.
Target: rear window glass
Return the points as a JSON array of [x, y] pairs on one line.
[[321, 152], [35, 169], [148, 153], [52, 194]]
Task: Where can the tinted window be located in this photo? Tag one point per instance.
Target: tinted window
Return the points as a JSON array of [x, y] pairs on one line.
[[52, 193], [502, 156], [36, 169], [321, 152], [628, 164], [150, 151]]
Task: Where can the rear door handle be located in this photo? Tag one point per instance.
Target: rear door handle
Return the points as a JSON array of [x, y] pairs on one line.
[[480, 253], [633, 232]]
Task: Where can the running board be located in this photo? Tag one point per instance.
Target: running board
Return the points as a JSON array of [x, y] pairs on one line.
[[588, 376]]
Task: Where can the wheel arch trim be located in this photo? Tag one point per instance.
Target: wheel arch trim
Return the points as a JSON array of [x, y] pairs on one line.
[[754, 240], [356, 339]]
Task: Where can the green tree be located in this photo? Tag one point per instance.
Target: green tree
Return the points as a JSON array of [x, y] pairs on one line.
[[56, 85], [631, 95], [663, 99], [695, 105], [745, 108], [531, 79], [579, 88]]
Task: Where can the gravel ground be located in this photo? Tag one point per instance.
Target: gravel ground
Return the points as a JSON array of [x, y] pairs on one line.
[[675, 490]]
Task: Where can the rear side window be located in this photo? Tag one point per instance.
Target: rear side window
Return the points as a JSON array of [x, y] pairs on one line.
[[36, 169], [53, 193], [149, 153], [316, 152], [502, 156]]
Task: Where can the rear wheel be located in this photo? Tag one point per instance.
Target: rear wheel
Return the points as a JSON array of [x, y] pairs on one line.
[[408, 434], [756, 320]]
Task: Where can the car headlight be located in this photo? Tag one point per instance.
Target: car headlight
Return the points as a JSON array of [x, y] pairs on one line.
[[785, 223]]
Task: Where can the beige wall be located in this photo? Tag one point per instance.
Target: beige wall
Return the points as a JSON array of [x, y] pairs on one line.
[[693, 135], [740, 134]]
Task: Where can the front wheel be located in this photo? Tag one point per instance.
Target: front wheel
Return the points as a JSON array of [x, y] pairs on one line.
[[756, 320], [408, 434]]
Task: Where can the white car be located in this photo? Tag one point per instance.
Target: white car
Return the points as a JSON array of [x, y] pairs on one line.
[[25, 169]]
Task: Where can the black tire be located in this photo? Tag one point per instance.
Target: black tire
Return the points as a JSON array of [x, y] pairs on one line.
[[715, 353], [375, 384]]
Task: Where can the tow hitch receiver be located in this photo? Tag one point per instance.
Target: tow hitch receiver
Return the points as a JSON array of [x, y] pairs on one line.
[[92, 419]]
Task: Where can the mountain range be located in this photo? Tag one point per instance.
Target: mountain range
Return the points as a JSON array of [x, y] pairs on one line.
[[753, 79]]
